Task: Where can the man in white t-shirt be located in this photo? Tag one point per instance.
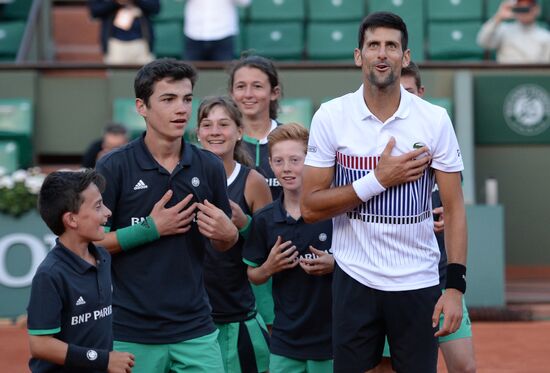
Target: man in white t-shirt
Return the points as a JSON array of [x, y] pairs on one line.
[[373, 158], [210, 28]]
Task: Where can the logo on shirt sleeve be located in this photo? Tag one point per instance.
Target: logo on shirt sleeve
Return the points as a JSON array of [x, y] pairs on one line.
[[91, 355]]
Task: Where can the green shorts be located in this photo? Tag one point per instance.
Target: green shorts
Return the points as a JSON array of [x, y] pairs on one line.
[[198, 355], [464, 331], [281, 364], [244, 345], [264, 301]]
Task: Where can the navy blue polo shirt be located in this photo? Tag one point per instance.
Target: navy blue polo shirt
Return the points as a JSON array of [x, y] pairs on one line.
[[436, 202], [72, 300], [303, 320], [225, 275], [159, 295]]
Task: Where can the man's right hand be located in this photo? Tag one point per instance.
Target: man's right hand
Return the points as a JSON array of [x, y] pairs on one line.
[[395, 170], [120, 362], [176, 219], [505, 11]]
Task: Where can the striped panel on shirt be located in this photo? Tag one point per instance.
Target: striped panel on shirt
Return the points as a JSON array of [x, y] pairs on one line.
[[407, 203], [392, 229]]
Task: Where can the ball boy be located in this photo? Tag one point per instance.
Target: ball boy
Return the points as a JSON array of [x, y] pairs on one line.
[[70, 310]]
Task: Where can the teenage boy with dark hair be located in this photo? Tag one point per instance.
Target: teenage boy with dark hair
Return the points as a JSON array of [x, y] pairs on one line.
[[70, 308], [373, 158], [298, 257], [156, 185]]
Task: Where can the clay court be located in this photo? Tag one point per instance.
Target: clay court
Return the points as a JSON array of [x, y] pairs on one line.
[[501, 347]]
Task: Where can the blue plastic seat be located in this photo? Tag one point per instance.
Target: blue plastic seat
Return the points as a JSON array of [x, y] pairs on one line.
[[454, 41], [283, 40], [336, 10]]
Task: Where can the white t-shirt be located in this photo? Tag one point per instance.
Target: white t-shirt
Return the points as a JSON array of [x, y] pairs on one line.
[[388, 242], [207, 20]]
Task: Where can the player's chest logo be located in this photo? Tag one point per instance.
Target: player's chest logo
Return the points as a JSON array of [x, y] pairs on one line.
[[140, 185], [195, 181]]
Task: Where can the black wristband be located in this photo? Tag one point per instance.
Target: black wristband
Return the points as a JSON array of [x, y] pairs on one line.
[[84, 357], [456, 277]]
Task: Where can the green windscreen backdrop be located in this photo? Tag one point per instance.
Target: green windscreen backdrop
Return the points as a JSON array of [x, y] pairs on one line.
[[512, 109]]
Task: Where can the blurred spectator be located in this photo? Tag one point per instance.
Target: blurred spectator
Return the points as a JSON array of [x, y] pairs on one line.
[[210, 27], [114, 135], [520, 41], [126, 31]]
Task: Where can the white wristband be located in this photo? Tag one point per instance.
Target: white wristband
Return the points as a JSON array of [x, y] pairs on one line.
[[367, 187]]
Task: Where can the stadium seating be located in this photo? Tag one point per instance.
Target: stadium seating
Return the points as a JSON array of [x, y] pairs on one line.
[[412, 12], [336, 10], [124, 112], [9, 156], [168, 39], [11, 33], [277, 10], [453, 10], [331, 40], [296, 109], [279, 40], [16, 10], [454, 40], [16, 124]]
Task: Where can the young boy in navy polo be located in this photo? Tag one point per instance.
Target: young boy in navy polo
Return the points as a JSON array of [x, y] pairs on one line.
[[70, 311], [169, 202], [298, 257]]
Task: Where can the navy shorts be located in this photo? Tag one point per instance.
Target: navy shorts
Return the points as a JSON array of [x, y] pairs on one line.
[[362, 316]]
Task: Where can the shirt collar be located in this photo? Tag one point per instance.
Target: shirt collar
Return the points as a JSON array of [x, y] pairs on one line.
[[280, 215], [364, 112], [146, 160], [279, 212], [74, 261], [263, 141]]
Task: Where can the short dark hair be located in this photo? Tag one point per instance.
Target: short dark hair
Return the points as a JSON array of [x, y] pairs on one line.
[[61, 192], [414, 71], [115, 128], [159, 69], [240, 154], [383, 19], [266, 66]]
